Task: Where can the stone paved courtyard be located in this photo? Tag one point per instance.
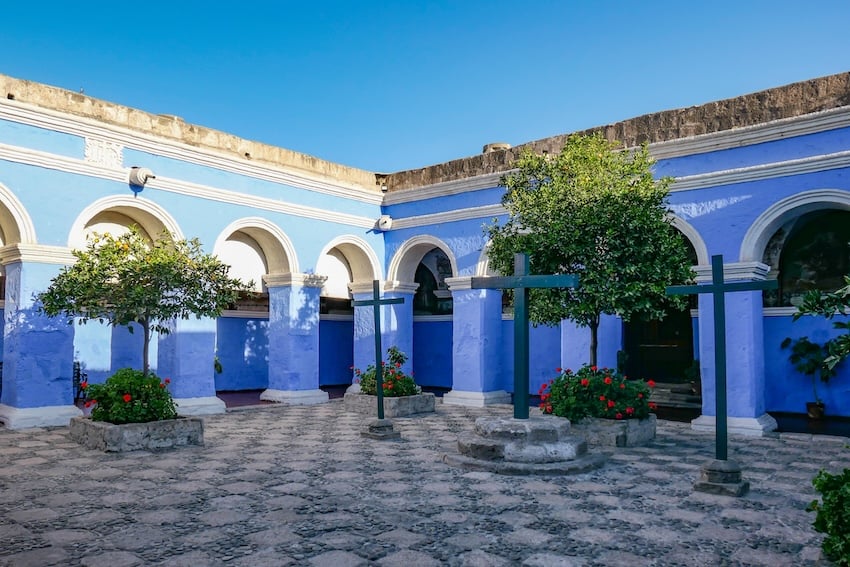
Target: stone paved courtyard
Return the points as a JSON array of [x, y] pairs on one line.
[[300, 486]]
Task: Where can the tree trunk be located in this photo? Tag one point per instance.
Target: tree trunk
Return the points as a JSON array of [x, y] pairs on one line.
[[594, 329], [146, 326]]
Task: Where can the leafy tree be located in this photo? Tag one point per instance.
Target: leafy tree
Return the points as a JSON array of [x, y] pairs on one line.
[[598, 212], [829, 305], [128, 279]]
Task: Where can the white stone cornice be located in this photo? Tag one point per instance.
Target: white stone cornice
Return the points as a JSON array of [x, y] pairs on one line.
[[755, 134], [749, 271], [33, 115], [290, 279], [27, 156], [37, 254], [362, 287], [400, 287], [486, 181], [460, 283], [486, 211], [236, 314]]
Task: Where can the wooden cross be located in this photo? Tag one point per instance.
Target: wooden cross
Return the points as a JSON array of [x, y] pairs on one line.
[[376, 303], [719, 289], [522, 282]]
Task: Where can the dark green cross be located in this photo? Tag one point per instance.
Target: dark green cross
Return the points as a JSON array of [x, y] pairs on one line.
[[522, 282], [718, 289], [376, 303]]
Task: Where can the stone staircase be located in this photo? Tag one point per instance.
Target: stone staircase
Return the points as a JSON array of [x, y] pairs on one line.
[[673, 395]]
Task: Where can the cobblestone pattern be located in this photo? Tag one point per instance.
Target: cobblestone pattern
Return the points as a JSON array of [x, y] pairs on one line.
[[298, 485]]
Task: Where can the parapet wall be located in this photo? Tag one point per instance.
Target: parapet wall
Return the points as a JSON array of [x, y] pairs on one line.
[[792, 100], [175, 128]]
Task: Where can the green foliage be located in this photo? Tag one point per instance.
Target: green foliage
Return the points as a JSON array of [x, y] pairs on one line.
[[597, 212], [395, 382], [595, 392], [128, 279], [808, 358], [130, 397], [833, 514], [828, 305]]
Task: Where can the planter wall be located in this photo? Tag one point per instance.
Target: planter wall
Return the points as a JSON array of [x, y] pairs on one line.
[[616, 432], [163, 434], [393, 407]]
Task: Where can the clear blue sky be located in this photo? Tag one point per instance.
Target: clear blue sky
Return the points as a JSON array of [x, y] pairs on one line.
[[396, 85]]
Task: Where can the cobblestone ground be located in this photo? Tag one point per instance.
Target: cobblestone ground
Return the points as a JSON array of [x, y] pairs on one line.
[[300, 486]]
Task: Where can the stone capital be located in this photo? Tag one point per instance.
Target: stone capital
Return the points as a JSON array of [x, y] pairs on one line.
[[37, 254], [294, 278], [748, 271], [460, 283], [401, 287]]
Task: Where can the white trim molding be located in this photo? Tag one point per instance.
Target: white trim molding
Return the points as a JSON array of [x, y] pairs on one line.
[[45, 416], [749, 271], [37, 254], [277, 247], [16, 222], [290, 279], [295, 397], [410, 253], [460, 283], [393, 286], [234, 314], [206, 405], [149, 215], [476, 399], [364, 262], [751, 426], [485, 211]]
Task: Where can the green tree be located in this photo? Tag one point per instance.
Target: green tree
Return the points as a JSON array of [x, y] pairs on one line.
[[829, 305], [598, 212], [128, 279]]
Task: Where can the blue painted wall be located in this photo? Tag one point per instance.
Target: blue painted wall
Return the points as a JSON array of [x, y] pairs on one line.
[[336, 352], [242, 347], [544, 345], [432, 353]]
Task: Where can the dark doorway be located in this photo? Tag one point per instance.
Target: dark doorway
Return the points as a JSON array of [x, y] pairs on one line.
[[660, 350]]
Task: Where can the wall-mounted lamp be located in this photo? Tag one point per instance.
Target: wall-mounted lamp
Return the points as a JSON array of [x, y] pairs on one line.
[[140, 175], [385, 223]]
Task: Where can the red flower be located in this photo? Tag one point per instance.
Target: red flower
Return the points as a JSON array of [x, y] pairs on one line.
[[558, 370], [161, 385], [619, 415], [585, 382], [622, 385], [593, 369], [653, 405], [398, 364], [640, 395], [89, 403], [607, 380], [168, 380], [601, 398], [611, 403], [630, 411], [650, 383], [127, 398], [84, 385]]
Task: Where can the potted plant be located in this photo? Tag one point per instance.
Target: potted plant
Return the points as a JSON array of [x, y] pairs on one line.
[[808, 358], [602, 404], [812, 358], [402, 396]]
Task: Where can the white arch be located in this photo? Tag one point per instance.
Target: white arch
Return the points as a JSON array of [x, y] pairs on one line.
[[483, 266], [764, 227], [150, 217], [694, 238], [407, 257], [364, 262], [277, 247], [15, 222]]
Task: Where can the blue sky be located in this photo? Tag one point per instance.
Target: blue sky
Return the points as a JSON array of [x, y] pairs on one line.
[[396, 85]]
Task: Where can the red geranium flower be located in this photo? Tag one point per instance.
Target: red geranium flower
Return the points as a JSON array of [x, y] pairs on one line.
[[622, 385], [650, 383], [593, 369], [601, 398], [630, 411], [585, 382], [558, 370], [168, 380], [607, 380], [89, 403], [653, 405], [619, 415], [84, 385], [127, 398], [611, 403]]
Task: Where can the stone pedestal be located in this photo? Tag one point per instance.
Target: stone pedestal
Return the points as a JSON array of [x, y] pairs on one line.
[[380, 429], [722, 477], [537, 445], [400, 406]]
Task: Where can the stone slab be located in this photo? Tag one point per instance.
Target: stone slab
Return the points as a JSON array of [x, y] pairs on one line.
[[402, 406], [111, 437], [616, 432]]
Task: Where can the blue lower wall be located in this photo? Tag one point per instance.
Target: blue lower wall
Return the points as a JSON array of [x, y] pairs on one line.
[[336, 352], [242, 348], [787, 390], [544, 346], [432, 353]]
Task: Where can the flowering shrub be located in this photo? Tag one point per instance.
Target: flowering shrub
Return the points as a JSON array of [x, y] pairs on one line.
[[595, 392], [396, 383], [129, 397]]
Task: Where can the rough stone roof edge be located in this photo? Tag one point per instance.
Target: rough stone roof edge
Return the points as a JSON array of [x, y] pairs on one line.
[[175, 128], [795, 99]]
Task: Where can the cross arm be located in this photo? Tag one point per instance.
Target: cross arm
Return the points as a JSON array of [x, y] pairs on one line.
[[514, 282]]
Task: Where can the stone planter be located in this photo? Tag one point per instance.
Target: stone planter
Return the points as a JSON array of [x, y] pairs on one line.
[[393, 407], [616, 432], [163, 434]]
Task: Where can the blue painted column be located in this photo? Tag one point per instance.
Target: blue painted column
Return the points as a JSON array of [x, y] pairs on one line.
[[575, 343], [745, 383], [294, 339], [396, 323], [38, 351], [185, 356], [476, 346]]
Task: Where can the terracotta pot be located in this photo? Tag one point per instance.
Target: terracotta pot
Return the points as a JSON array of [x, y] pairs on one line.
[[815, 410]]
